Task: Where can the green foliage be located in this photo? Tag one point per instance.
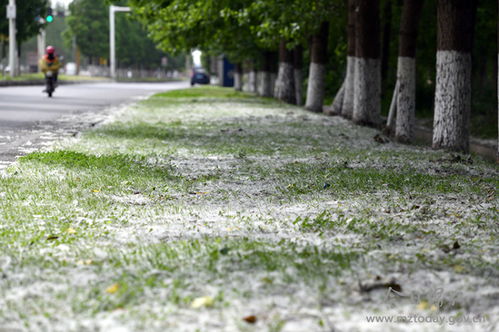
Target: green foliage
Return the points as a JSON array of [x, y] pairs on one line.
[[239, 29], [89, 23], [294, 21], [27, 11]]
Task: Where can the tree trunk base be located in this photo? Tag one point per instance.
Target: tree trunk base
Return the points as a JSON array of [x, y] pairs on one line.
[[338, 101], [406, 99], [238, 82], [452, 101], [347, 106], [285, 87], [298, 76], [367, 95], [265, 88], [316, 85]]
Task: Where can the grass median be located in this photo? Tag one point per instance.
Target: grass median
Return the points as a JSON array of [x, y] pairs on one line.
[[211, 209]]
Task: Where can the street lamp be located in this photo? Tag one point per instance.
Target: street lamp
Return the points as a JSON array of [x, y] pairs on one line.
[[11, 15], [112, 41]]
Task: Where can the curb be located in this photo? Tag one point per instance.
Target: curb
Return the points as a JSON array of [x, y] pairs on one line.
[[42, 82]]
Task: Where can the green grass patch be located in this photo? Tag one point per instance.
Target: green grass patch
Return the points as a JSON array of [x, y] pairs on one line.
[[299, 178], [205, 92], [211, 192]]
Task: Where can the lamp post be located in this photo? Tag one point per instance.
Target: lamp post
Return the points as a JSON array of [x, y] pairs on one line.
[[112, 41], [11, 15]]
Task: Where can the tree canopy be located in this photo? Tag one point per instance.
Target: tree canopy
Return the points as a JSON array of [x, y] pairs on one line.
[[88, 23], [234, 27], [26, 23]]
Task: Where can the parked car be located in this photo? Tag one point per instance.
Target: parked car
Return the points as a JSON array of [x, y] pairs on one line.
[[199, 77]]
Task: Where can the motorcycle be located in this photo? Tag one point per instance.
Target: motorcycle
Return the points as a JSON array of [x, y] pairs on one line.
[[49, 83]]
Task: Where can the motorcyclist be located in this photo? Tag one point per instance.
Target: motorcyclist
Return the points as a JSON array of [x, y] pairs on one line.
[[50, 62]]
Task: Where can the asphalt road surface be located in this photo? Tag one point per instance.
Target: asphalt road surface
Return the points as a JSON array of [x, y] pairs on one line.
[[29, 119]]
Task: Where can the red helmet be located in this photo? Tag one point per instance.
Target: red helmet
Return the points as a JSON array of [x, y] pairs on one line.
[[50, 50]]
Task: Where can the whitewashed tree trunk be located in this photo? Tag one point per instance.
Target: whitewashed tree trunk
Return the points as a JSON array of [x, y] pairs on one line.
[[452, 101], [265, 84], [367, 92], [338, 100], [404, 96], [406, 99], [285, 87], [298, 76], [390, 122], [238, 81], [367, 73], [347, 105], [252, 84], [316, 87], [273, 83]]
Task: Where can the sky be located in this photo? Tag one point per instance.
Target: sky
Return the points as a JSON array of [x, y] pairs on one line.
[[64, 2]]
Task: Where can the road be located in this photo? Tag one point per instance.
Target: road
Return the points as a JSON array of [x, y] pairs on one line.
[[29, 120]]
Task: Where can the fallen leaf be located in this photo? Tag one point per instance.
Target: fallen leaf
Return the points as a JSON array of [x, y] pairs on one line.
[[70, 230], [113, 288], [250, 319], [96, 190], [423, 305], [84, 262], [52, 237], [204, 301], [458, 268]]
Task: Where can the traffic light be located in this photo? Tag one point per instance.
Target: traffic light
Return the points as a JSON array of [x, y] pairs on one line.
[[50, 17]]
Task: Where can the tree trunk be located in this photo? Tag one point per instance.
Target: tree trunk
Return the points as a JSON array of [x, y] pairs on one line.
[[349, 84], [317, 72], [298, 74], [387, 38], [238, 76], [390, 122], [253, 78], [338, 101], [285, 84], [406, 71], [274, 68], [265, 89], [455, 23], [367, 93]]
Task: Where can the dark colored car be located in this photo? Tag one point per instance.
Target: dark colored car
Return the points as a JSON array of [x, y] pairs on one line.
[[199, 77]]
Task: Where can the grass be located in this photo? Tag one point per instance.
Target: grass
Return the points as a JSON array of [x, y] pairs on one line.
[[199, 207], [204, 92]]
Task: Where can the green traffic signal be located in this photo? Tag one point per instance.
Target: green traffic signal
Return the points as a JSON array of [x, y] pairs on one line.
[[50, 17]]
